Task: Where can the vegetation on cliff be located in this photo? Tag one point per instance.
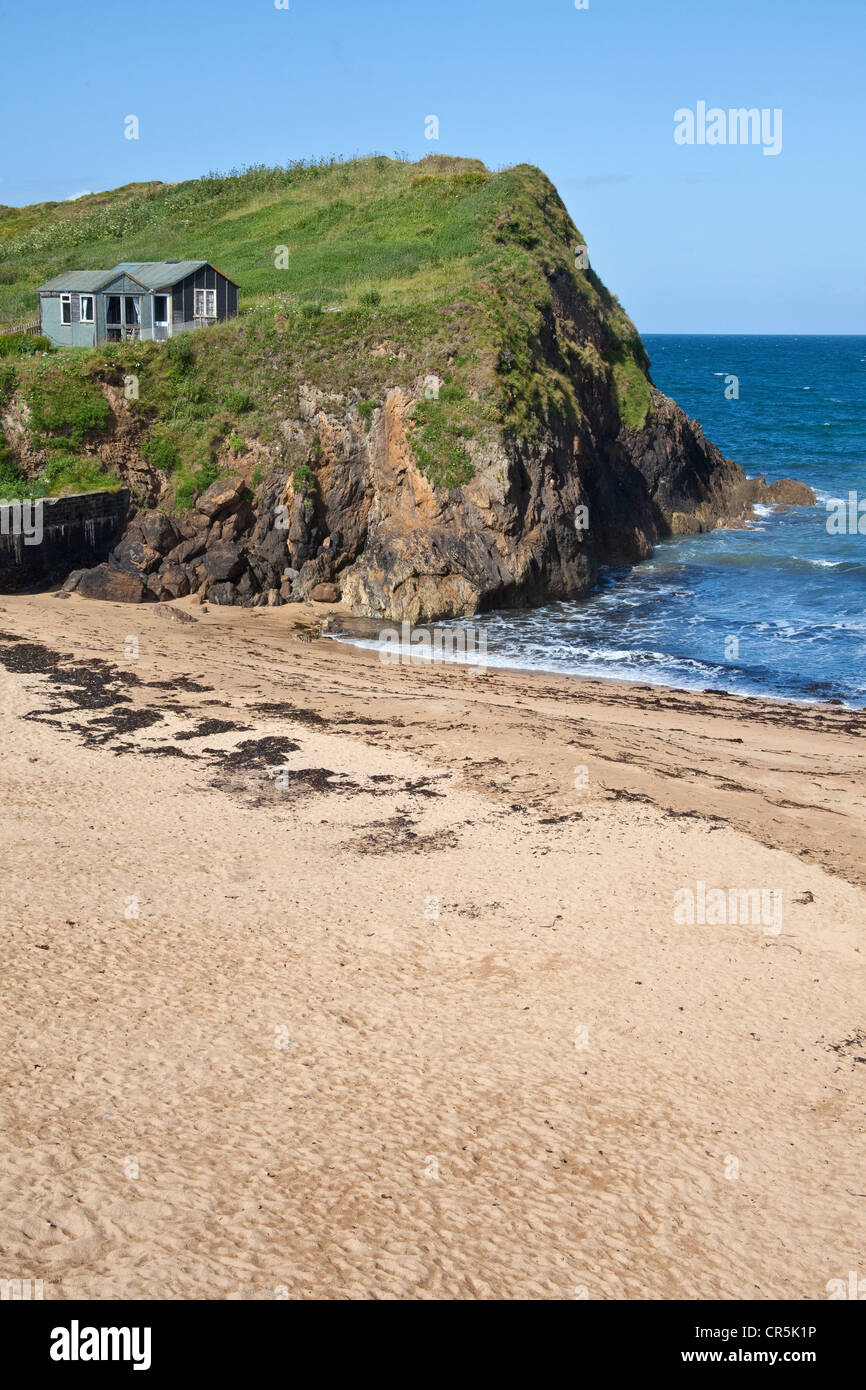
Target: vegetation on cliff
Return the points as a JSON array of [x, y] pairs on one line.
[[356, 277]]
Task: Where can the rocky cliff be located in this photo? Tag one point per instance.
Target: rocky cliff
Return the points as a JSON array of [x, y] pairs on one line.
[[488, 446]]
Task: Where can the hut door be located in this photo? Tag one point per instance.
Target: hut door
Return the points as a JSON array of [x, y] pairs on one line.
[[113, 324], [160, 316], [133, 316]]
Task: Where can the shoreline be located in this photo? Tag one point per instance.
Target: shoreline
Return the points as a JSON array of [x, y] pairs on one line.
[[363, 644]]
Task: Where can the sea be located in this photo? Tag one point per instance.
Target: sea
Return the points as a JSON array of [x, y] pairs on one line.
[[777, 609]]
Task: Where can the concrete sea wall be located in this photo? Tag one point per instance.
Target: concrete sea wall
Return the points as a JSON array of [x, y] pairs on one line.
[[41, 542]]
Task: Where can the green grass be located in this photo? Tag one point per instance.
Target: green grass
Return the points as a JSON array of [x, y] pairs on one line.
[[631, 387], [356, 277], [65, 404]]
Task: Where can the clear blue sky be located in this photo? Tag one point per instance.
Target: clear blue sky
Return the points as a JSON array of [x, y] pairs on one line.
[[691, 238]]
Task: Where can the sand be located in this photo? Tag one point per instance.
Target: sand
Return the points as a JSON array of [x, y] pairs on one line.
[[414, 1018]]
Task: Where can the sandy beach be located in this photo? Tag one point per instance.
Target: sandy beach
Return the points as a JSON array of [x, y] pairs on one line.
[[328, 979]]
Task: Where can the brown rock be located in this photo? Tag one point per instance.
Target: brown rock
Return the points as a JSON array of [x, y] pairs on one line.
[[187, 550], [221, 498], [790, 493], [175, 581], [112, 584], [222, 562], [176, 615], [157, 530], [325, 593], [224, 594], [132, 553]]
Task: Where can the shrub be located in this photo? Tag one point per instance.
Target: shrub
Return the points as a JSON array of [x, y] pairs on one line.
[[24, 344], [237, 443], [66, 406], [8, 382], [238, 402], [371, 298], [439, 427], [303, 479], [365, 410], [159, 451], [83, 473], [180, 352]]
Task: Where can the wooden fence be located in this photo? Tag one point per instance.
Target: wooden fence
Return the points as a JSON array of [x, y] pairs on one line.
[[9, 328]]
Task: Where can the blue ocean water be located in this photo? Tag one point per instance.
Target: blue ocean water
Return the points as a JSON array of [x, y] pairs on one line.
[[791, 594]]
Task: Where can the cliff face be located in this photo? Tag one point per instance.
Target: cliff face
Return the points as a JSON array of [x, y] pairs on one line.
[[534, 522]]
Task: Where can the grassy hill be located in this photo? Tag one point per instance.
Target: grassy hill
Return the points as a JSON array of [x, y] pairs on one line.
[[354, 277]]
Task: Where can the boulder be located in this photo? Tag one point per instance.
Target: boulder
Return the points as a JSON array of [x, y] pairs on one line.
[[221, 498], [175, 581], [222, 562], [792, 493], [187, 550], [132, 553], [175, 615], [112, 584], [325, 593], [157, 530], [224, 594], [72, 581], [237, 525]]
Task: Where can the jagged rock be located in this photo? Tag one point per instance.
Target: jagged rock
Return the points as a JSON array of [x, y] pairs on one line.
[[222, 562], [223, 594], [787, 492], [72, 581], [112, 584], [132, 553], [187, 550], [274, 599], [175, 581], [237, 525], [325, 593], [157, 530], [221, 498]]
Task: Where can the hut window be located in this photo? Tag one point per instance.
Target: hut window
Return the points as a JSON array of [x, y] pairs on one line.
[[66, 308], [160, 309], [205, 304], [87, 308]]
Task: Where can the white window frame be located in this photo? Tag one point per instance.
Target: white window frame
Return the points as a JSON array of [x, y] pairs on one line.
[[65, 299], [162, 323], [89, 300], [209, 297]]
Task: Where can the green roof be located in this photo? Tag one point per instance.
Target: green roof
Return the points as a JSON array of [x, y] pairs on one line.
[[79, 280], [151, 275], [154, 274]]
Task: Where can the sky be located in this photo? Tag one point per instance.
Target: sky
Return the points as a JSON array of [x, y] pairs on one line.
[[693, 238]]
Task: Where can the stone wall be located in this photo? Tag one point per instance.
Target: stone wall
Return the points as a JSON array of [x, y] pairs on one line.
[[76, 532]]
